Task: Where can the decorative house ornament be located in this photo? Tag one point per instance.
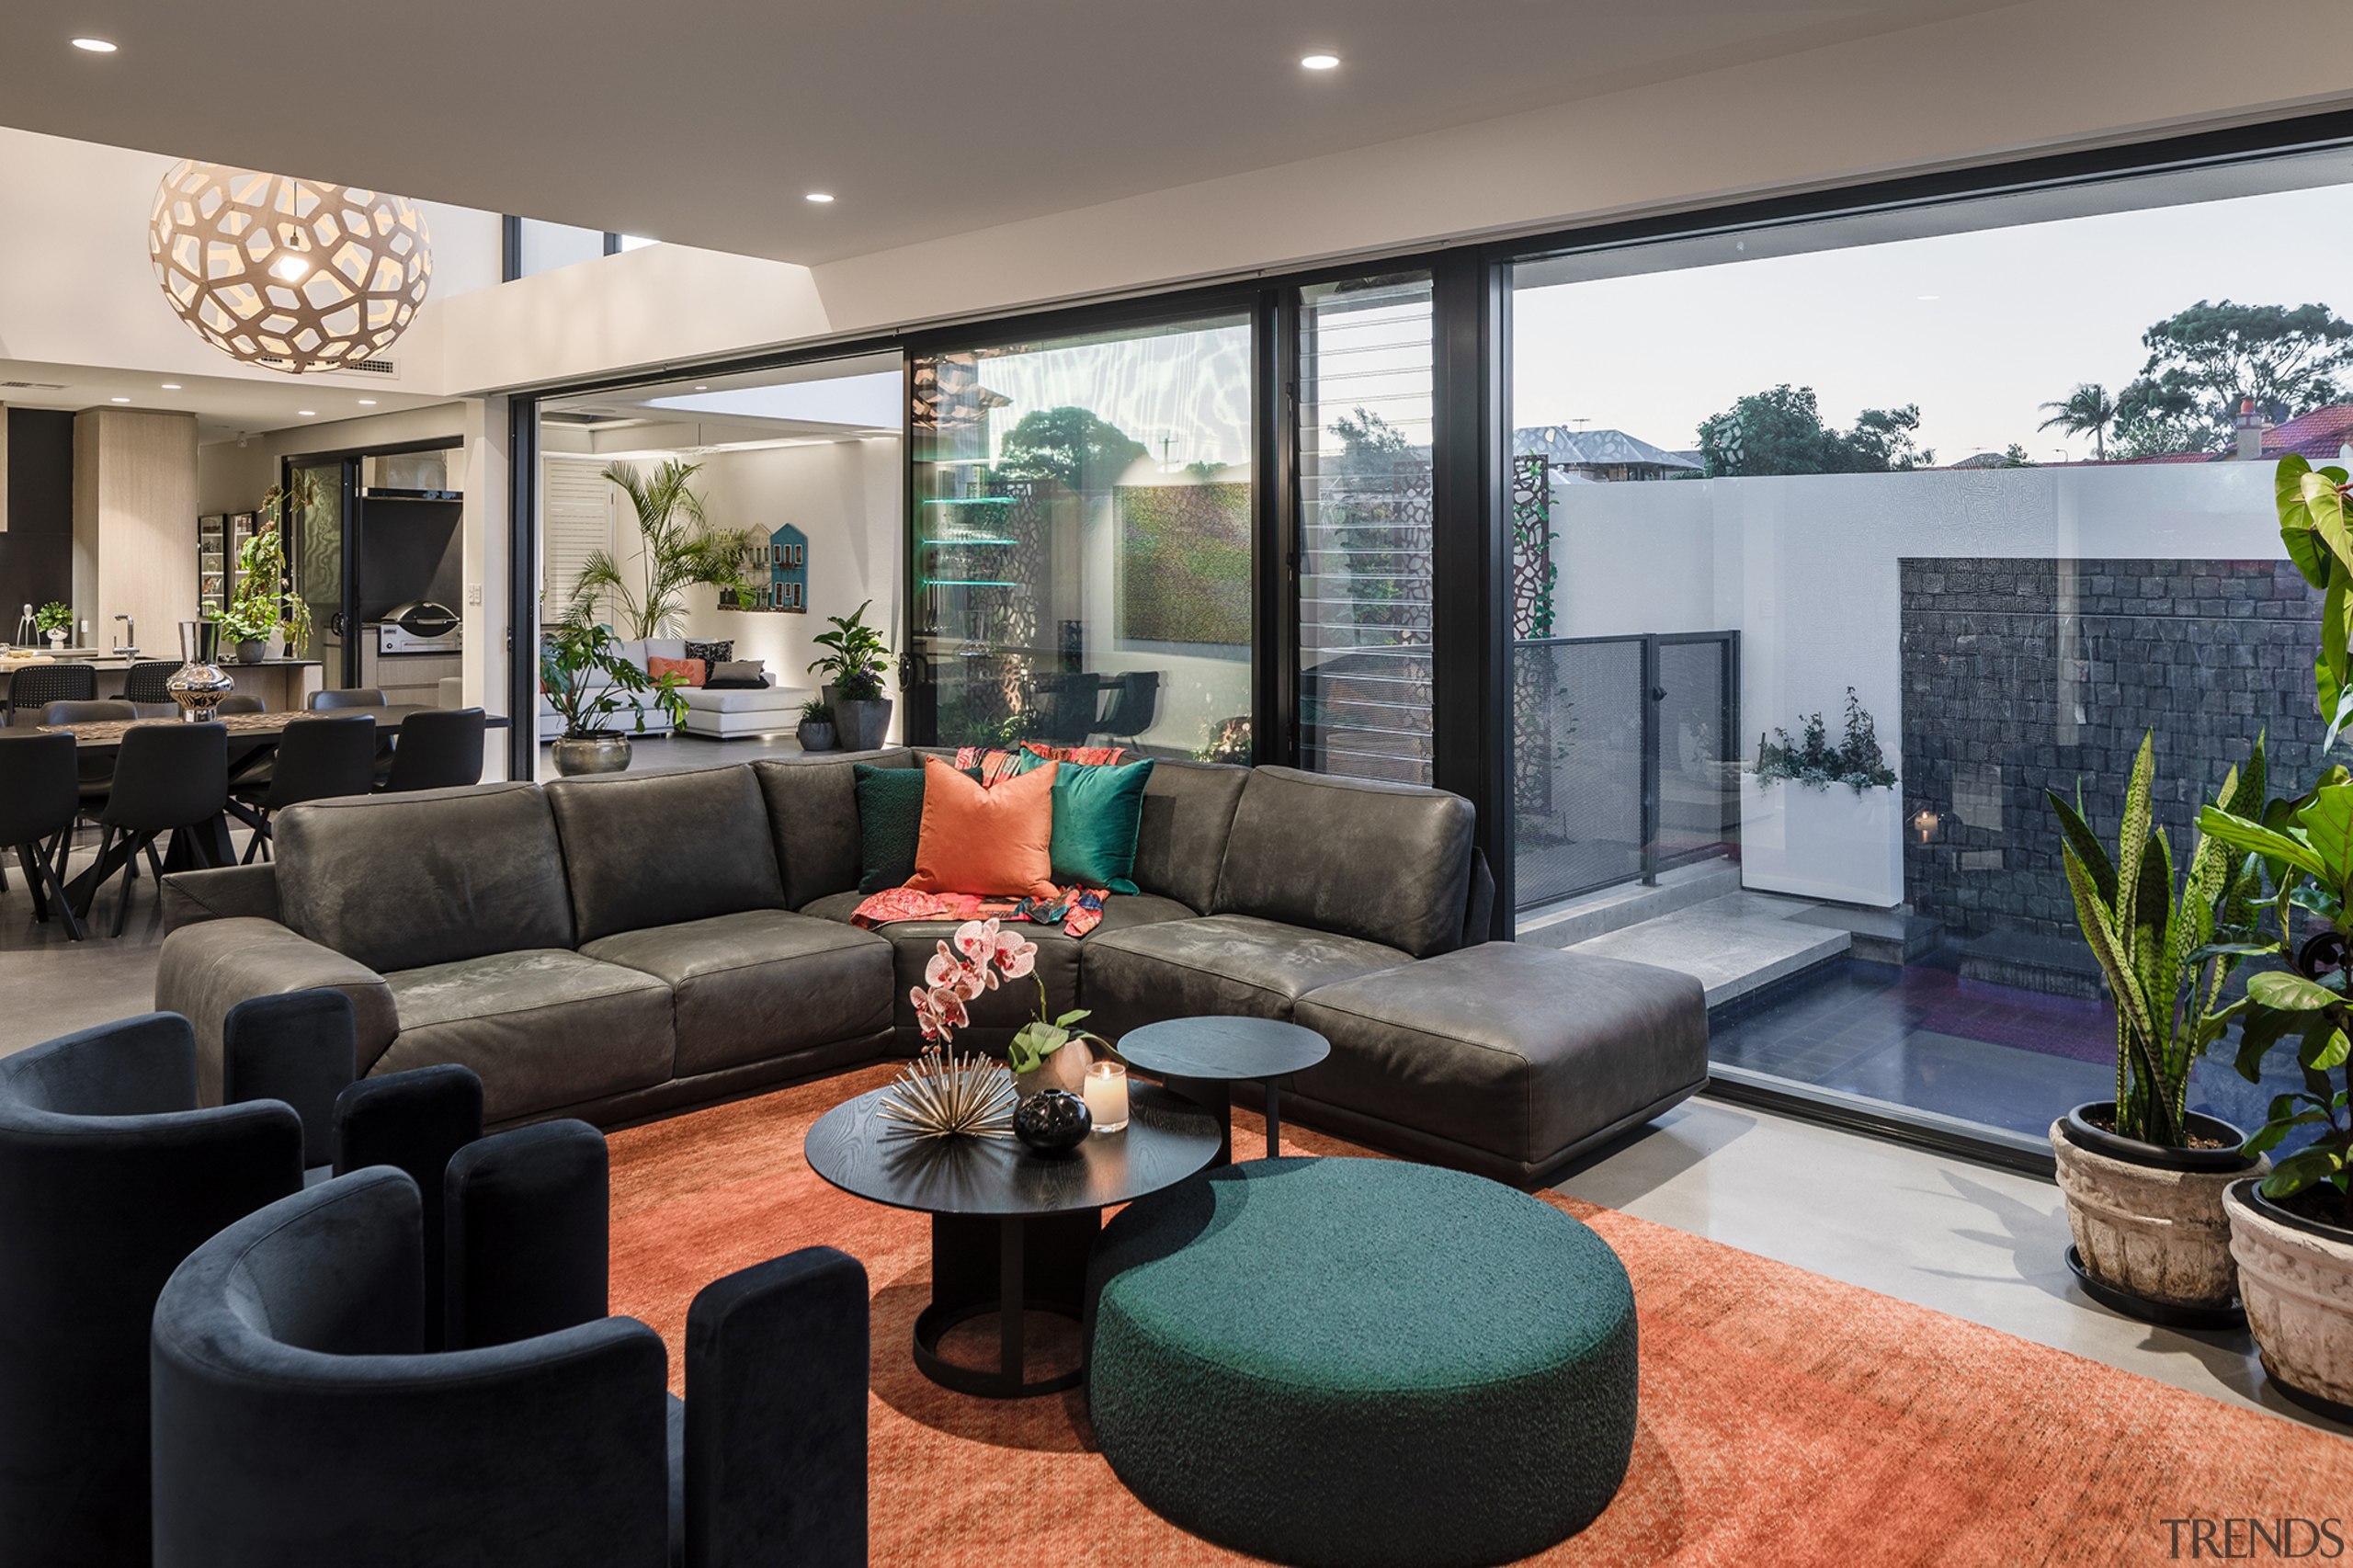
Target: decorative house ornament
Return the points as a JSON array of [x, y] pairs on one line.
[[776, 574], [287, 273]]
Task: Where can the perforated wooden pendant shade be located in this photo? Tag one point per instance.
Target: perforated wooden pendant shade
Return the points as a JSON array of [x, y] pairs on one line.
[[285, 272]]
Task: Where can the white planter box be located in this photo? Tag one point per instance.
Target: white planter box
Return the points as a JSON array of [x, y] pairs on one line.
[[1829, 843]]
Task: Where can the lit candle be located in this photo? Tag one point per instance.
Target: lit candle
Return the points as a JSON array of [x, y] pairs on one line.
[[1107, 1096]]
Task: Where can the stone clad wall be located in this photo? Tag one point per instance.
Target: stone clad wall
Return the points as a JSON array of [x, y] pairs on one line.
[[2021, 675]]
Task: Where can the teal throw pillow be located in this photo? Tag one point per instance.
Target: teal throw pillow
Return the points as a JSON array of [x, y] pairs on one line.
[[889, 819], [1097, 809]]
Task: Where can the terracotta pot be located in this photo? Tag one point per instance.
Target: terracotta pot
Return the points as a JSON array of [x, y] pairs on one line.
[[2296, 1278], [2148, 1221], [1064, 1070]]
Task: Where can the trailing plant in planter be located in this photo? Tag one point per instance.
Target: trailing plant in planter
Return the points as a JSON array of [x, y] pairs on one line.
[[2143, 1178], [1855, 762], [264, 607]]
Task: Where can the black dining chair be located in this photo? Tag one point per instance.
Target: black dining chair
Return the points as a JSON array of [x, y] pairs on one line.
[[143, 686], [317, 760], [39, 798], [354, 696], [438, 748], [242, 703], [109, 1176], [35, 687], [1134, 705], [92, 769], [167, 778]]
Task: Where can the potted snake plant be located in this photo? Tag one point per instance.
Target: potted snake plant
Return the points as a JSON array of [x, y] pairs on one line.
[[2142, 1176]]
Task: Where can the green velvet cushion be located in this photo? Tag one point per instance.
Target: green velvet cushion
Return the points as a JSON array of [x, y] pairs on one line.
[[889, 819], [1097, 809]]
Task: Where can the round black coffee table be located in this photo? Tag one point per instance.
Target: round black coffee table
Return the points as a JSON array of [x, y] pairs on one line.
[[1202, 1059], [1009, 1229]]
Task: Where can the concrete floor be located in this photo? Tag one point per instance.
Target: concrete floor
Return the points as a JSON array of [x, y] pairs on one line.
[[1978, 1243]]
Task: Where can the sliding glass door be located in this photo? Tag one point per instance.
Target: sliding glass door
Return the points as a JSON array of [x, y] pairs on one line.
[[1081, 567]]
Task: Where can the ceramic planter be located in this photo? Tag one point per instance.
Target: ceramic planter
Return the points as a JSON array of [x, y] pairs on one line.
[[815, 734], [251, 650], [1064, 1070], [2151, 1237], [591, 754], [2296, 1278], [860, 724], [1828, 843]]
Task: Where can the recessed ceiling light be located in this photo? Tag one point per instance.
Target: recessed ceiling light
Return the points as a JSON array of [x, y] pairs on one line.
[[1320, 62], [119, 400], [171, 386], [701, 386], [820, 198], [367, 402], [95, 45], [308, 413]]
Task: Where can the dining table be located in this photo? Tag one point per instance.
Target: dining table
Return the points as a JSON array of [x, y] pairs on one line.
[[252, 737]]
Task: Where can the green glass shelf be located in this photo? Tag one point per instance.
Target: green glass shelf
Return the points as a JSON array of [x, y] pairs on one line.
[[969, 501], [940, 541], [966, 583]]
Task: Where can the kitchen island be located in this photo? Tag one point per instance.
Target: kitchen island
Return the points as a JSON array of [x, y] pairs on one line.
[[281, 684]]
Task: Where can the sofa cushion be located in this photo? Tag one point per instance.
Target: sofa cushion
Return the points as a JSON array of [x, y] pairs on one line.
[[1521, 1051], [713, 655], [992, 839], [1097, 809], [889, 821], [1390, 863], [1181, 831], [432, 877], [813, 818], [656, 848], [755, 698], [690, 671], [759, 985], [1231, 964], [543, 1028]]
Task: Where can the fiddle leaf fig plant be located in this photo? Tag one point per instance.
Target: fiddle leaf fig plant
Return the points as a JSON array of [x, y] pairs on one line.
[[2156, 938]]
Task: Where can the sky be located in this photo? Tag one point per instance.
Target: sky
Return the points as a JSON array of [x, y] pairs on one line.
[[1976, 328]]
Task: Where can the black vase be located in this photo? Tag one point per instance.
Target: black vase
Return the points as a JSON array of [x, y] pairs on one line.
[[1052, 1122]]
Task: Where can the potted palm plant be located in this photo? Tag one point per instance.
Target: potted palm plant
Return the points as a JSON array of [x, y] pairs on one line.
[[852, 663], [587, 681], [2142, 1176], [678, 550]]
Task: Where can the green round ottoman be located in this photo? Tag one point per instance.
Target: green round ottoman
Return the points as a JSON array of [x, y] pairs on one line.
[[1361, 1363]]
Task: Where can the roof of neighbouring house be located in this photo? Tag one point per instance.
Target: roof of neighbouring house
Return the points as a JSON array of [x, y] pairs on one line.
[[1596, 449], [2321, 433]]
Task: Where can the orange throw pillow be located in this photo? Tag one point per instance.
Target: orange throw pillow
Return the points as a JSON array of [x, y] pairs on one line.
[[690, 668], [996, 841]]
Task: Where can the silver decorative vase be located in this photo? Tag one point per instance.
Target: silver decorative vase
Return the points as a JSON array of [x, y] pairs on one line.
[[198, 686], [576, 755]]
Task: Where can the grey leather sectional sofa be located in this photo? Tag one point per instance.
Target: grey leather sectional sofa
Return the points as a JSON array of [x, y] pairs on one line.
[[621, 948]]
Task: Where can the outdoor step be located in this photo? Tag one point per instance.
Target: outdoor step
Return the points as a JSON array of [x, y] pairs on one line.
[[1731, 945], [1629, 904]]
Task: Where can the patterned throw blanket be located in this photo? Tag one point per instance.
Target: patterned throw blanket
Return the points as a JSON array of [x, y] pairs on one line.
[[1075, 909]]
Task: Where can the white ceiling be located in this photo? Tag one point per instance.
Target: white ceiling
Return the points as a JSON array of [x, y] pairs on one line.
[[706, 121], [225, 406]]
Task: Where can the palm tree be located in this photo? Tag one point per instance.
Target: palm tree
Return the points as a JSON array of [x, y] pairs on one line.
[[2086, 411], [679, 549]]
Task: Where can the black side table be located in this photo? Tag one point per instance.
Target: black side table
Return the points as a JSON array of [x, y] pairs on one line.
[[1010, 1230], [1202, 1059]]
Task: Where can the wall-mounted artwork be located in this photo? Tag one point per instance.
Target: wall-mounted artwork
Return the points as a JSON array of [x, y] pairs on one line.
[[777, 572], [1185, 563]]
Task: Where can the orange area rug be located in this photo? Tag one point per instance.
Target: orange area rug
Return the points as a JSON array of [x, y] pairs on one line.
[[1788, 1421]]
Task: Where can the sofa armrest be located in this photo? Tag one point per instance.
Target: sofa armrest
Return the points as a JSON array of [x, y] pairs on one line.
[[189, 897], [209, 968]]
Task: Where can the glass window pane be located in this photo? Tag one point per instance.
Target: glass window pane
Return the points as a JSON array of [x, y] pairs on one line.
[[1365, 512], [1081, 541], [1840, 546]]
